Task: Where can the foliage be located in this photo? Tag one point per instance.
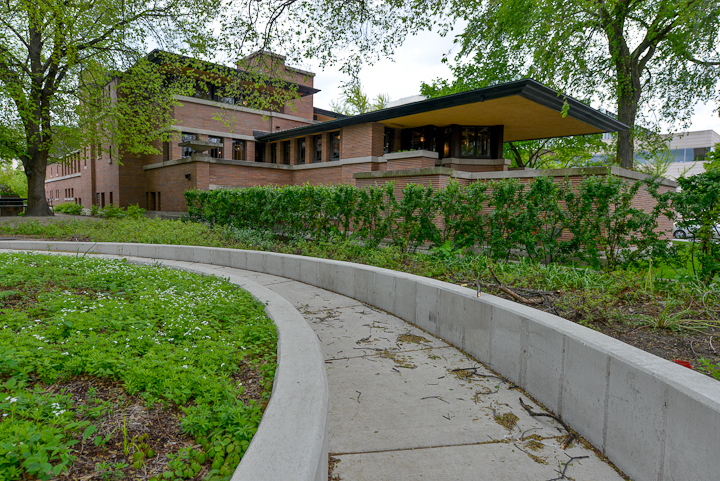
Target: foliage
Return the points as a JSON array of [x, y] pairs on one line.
[[15, 181], [656, 163], [713, 159], [78, 76], [354, 101], [111, 211], [169, 336], [69, 208], [712, 369], [651, 59], [504, 217], [603, 219], [698, 204]]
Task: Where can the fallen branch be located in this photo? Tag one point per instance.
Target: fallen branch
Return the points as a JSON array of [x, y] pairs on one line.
[[475, 373], [562, 474], [570, 435], [434, 397]]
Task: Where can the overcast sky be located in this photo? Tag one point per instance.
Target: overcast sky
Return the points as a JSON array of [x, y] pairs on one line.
[[419, 60]]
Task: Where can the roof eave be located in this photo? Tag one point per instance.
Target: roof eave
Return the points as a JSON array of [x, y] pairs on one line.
[[526, 88]]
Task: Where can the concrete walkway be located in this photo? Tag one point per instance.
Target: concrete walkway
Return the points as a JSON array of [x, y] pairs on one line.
[[399, 411]]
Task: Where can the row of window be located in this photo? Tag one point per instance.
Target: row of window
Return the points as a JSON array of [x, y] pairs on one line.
[[239, 149], [453, 141]]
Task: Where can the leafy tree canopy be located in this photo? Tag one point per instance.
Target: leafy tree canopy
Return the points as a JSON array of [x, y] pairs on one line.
[[649, 60], [77, 74], [355, 101]]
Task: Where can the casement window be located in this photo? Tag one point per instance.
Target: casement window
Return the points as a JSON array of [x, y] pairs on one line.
[[216, 153], [187, 151], [317, 148], [286, 152], [334, 145], [273, 153], [475, 142], [259, 152], [238, 149], [389, 140], [301, 151]]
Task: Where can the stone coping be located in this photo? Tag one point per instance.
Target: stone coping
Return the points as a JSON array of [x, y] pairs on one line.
[[459, 161], [411, 154], [292, 439], [652, 418], [240, 108], [511, 174], [64, 177], [262, 165]]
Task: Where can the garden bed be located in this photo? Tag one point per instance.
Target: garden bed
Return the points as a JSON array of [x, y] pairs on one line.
[[676, 319], [117, 371]]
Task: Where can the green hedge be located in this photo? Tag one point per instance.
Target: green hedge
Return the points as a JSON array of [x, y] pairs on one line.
[[500, 217]]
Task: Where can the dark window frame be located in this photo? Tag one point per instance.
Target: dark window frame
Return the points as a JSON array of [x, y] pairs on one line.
[[317, 148], [388, 140], [216, 153], [302, 146], [286, 152], [186, 137], [242, 151], [481, 135], [335, 146]]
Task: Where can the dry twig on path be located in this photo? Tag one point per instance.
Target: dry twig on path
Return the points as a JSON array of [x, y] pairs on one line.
[[570, 435]]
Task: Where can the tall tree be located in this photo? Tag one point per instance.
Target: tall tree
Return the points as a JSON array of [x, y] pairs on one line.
[[76, 74], [650, 60]]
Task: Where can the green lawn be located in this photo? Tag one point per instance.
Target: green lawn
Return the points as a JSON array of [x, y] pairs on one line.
[[92, 350]]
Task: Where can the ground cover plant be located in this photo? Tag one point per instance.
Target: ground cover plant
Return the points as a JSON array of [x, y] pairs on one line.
[[116, 371], [661, 308]]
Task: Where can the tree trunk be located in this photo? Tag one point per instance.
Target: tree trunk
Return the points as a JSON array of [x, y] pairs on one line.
[[628, 99], [35, 167]]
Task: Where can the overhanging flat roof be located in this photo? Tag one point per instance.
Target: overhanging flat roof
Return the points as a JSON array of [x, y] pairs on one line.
[[526, 108]]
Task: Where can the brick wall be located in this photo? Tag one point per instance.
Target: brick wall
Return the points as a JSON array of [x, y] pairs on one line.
[[241, 176], [171, 183], [410, 163], [362, 140], [323, 176]]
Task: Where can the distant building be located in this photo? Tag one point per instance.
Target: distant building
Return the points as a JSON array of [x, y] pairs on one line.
[[689, 150]]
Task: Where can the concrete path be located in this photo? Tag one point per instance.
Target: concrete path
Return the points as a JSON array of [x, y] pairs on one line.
[[399, 411]]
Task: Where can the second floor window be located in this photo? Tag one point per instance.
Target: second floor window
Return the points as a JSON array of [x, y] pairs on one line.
[[301, 151], [238, 149], [216, 153], [187, 151], [335, 146], [273, 153], [259, 152], [286, 152], [317, 148], [389, 138]]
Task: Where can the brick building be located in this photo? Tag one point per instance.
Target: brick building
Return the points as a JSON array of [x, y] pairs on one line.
[[428, 142]]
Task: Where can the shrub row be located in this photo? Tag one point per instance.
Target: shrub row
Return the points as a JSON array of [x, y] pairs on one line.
[[500, 217]]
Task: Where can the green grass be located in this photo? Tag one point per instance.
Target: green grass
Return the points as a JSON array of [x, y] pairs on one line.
[[656, 296], [169, 338]]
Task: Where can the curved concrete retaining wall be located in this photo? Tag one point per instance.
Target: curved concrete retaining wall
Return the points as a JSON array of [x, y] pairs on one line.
[[654, 419], [292, 439]]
